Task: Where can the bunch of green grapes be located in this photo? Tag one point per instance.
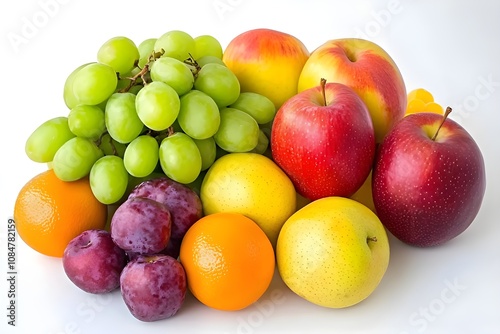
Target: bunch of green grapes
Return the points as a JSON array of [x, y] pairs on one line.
[[167, 105]]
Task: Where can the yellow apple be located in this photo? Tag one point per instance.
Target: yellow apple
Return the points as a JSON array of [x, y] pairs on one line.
[[333, 252], [267, 62], [368, 69]]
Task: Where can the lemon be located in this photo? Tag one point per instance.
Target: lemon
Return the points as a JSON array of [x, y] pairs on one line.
[[253, 185]]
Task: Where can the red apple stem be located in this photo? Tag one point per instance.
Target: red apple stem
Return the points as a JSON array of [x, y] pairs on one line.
[[323, 84], [446, 113]]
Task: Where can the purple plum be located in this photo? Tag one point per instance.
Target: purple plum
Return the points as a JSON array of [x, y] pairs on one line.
[[141, 225], [93, 262], [153, 287], [182, 202]]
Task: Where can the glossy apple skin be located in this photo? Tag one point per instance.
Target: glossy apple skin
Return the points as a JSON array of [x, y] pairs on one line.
[[325, 150], [369, 70], [428, 192], [267, 62]]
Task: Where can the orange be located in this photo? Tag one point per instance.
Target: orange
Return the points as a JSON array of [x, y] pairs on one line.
[[228, 259], [49, 212]]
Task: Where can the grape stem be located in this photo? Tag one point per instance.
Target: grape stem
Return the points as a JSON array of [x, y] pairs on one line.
[[143, 72], [133, 80], [195, 67], [98, 142]]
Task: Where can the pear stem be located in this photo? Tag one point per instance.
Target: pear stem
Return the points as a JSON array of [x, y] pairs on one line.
[[446, 113], [323, 84], [374, 239]]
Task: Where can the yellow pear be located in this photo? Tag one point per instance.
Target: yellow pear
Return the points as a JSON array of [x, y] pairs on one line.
[[333, 252]]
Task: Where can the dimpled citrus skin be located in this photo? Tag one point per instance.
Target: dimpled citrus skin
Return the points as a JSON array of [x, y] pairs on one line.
[[324, 255], [49, 212], [228, 259], [253, 185]]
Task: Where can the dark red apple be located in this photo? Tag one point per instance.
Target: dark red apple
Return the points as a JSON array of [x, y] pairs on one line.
[[428, 180], [323, 139]]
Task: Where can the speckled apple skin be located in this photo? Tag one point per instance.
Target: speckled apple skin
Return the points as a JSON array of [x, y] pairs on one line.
[[325, 150], [428, 192]]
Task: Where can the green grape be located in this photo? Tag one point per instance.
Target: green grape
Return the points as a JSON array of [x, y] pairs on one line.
[[109, 146], [86, 121], [146, 48], [180, 158], [196, 184], [74, 159], [238, 131], [208, 151], [174, 73], [68, 95], [258, 106], [199, 115], [102, 105], [176, 127], [141, 156], [262, 144], [206, 45], [176, 44], [266, 128], [125, 81], [136, 89], [108, 179], [219, 152], [209, 60], [120, 53], [219, 83], [94, 84], [157, 105], [48, 137], [121, 118]]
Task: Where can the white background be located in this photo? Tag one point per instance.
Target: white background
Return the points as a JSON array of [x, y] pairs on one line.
[[449, 47]]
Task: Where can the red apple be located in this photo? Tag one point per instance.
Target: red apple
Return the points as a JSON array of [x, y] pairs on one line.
[[369, 70], [428, 190], [323, 139], [267, 62]]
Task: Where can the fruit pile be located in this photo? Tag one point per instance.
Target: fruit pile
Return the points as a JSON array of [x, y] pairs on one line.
[[216, 165], [168, 105]]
